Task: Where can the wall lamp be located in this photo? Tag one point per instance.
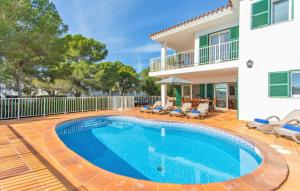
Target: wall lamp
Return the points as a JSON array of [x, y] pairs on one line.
[[249, 63]]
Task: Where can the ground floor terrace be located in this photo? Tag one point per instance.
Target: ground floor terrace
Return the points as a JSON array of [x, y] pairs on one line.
[[32, 157], [218, 86]]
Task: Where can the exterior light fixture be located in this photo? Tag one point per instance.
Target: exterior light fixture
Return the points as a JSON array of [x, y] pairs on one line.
[[249, 64]]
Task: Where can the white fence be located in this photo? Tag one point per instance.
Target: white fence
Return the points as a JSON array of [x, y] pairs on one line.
[[15, 108], [145, 100]]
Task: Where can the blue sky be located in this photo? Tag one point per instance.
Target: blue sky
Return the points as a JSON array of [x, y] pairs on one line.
[[125, 25]]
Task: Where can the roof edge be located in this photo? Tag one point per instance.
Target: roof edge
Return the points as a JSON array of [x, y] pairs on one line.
[[217, 10]]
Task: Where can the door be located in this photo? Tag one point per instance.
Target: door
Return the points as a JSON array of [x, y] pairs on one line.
[[221, 95], [219, 48], [187, 91], [232, 102]]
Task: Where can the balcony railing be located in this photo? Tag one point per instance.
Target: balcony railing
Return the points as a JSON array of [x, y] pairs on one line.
[[207, 55]]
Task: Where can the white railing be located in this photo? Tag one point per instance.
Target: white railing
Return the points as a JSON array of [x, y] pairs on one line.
[[15, 108], [211, 54], [155, 64], [219, 52], [146, 100], [180, 60], [173, 61]]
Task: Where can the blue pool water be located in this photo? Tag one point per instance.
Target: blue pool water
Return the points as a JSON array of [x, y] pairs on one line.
[[160, 151]]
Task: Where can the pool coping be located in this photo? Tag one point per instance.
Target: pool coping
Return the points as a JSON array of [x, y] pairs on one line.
[[93, 177]]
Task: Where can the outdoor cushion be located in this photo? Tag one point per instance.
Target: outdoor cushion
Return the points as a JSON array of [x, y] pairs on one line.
[[177, 110], [195, 111], [146, 107], [263, 121], [158, 108], [291, 127]]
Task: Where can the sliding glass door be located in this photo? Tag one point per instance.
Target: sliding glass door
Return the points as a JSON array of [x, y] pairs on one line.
[[219, 48], [221, 95]]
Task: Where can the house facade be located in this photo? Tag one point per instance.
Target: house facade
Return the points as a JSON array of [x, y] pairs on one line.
[[245, 56]]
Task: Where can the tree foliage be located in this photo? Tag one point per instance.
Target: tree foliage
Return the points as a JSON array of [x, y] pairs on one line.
[[78, 68], [148, 84], [36, 55], [30, 32], [80, 49]]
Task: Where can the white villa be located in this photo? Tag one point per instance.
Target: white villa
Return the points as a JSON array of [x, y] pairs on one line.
[[244, 55]]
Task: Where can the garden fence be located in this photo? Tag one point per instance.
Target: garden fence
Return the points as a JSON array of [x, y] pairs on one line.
[[15, 108]]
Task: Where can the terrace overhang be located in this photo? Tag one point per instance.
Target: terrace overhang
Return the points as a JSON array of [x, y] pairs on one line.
[[181, 36]]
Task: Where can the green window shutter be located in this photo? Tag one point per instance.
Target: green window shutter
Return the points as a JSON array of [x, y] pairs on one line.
[[204, 52], [279, 84], [202, 91], [292, 9], [177, 93], [234, 47], [210, 91], [203, 41], [234, 33], [260, 14]]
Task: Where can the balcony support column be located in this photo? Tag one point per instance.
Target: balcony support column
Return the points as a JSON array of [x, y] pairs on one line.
[[164, 50], [163, 94]]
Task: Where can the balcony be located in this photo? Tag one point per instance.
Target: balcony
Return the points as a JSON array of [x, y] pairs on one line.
[[208, 55]]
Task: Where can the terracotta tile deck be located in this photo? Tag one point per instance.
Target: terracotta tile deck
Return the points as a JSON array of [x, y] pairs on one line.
[[33, 158]]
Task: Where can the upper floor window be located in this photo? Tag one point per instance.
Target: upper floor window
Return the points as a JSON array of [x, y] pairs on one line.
[[295, 84], [281, 11], [284, 84], [266, 12]]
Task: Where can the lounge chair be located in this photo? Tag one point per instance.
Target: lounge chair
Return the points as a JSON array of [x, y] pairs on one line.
[[163, 110], [181, 111], [269, 125], [148, 108], [200, 112], [288, 130]]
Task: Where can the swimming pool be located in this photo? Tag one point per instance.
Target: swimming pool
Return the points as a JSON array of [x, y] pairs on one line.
[[167, 152]]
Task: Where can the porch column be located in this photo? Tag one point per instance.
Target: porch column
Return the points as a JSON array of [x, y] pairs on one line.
[[163, 94], [163, 55]]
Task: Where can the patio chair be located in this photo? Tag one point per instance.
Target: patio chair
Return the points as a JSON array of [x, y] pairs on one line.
[[148, 108], [288, 130], [181, 111], [163, 110], [270, 126], [200, 112]]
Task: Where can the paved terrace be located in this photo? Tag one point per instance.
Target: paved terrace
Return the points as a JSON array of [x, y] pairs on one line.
[[33, 158]]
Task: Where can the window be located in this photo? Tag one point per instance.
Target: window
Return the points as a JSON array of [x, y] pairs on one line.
[[260, 14], [280, 11], [219, 48], [284, 84], [266, 12], [186, 91], [295, 84], [279, 84]]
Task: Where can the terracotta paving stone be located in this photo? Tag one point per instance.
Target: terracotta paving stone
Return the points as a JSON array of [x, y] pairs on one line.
[[213, 187], [168, 187], [52, 166], [144, 185], [192, 188], [119, 184]]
